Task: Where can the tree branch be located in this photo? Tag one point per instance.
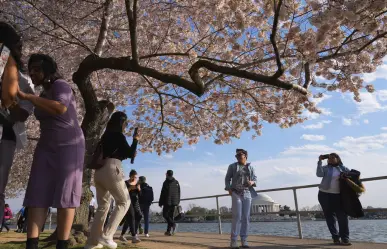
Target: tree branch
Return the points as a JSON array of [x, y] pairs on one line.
[[280, 70], [307, 75], [132, 19], [60, 26], [94, 63], [104, 27], [194, 73], [345, 41]]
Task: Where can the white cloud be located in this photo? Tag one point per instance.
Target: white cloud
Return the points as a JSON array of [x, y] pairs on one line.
[[318, 125], [209, 153], [380, 73], [308, 149], [363, 144], [347, 121], [318, 101], [382, 95], [310, 137], [384, 128], [167, 156], [191, 148], [366, 121], [324, 111], [370, 102]]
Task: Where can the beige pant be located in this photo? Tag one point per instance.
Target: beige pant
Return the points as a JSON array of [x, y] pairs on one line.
[[109, 182]]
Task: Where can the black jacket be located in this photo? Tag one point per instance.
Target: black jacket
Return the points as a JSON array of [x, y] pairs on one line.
[[170, 193], [146, 194], [349, 198]]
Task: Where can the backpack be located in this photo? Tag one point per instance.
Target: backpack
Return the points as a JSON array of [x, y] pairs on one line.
[[98, 160], [146, 195]]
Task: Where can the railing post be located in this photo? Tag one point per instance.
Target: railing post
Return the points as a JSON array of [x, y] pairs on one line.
[[49, 219], [219, 216], [298, 214]]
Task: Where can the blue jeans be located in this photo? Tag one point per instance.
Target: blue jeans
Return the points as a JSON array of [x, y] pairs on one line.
[[145, 212], [241, 206]]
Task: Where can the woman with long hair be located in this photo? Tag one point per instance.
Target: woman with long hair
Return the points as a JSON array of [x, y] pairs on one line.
[[329, 197], [109, 183], [57, 167], [13, 112], [134, 215]]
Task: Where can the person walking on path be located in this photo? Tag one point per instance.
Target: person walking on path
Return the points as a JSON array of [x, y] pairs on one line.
[[6, 218], [169, 200], [133, 216], [329, 197], [92, 205], [240, 181], [146, 199], [57, 168], [13, 134], [109, 182]]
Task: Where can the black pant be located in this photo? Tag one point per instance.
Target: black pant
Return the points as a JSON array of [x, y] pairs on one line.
[[331, 205], [168, 216], [4, 225], [91, 213], [132, 220]]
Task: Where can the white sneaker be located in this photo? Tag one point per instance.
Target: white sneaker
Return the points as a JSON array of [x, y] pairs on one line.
[[99, 246], [122, 238], [135, 239], [234, 244], [109, 243], [147, 235], [245, 244]]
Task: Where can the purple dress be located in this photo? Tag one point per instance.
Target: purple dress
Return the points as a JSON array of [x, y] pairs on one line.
[[57, 167]]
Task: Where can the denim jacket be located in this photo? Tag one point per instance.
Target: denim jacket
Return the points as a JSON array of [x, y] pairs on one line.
[[326, 173], [231, 177]]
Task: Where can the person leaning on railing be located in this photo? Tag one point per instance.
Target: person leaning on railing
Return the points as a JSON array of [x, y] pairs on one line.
[[329, 197]]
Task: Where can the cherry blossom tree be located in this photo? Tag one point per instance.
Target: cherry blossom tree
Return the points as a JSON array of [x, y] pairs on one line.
[[186, 70]]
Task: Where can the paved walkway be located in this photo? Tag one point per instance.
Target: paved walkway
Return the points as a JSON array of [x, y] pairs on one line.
[[210, 241], [222, 241]]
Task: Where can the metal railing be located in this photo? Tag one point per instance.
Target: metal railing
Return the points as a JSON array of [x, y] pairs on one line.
[[297, 211]]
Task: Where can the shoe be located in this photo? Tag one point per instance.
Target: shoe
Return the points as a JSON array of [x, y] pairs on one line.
[[234, 244], [245, 244], [122, 238], [99, 246], [174, 229], [345, 242], [147, 235], [135, 239], [336, 241], [167, 233], [109, 243]]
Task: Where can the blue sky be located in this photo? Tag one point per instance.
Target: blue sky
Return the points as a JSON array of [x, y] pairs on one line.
[[286, 157]]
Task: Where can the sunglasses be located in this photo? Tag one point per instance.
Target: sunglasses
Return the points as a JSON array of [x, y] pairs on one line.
[[239, 155]]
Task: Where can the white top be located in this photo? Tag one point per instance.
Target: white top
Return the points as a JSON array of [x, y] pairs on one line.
[[93, 202], [26, 86], [335, 182]]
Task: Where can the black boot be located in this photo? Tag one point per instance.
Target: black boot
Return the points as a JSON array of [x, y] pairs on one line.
[[32, 243], [62, 244]]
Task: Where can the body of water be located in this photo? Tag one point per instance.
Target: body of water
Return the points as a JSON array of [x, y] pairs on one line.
[[360, 230]]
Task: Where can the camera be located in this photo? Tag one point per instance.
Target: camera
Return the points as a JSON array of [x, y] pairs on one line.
[[323, 157]]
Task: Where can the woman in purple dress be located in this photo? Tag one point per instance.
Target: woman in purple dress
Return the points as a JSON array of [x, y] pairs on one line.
[[57, 168]]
